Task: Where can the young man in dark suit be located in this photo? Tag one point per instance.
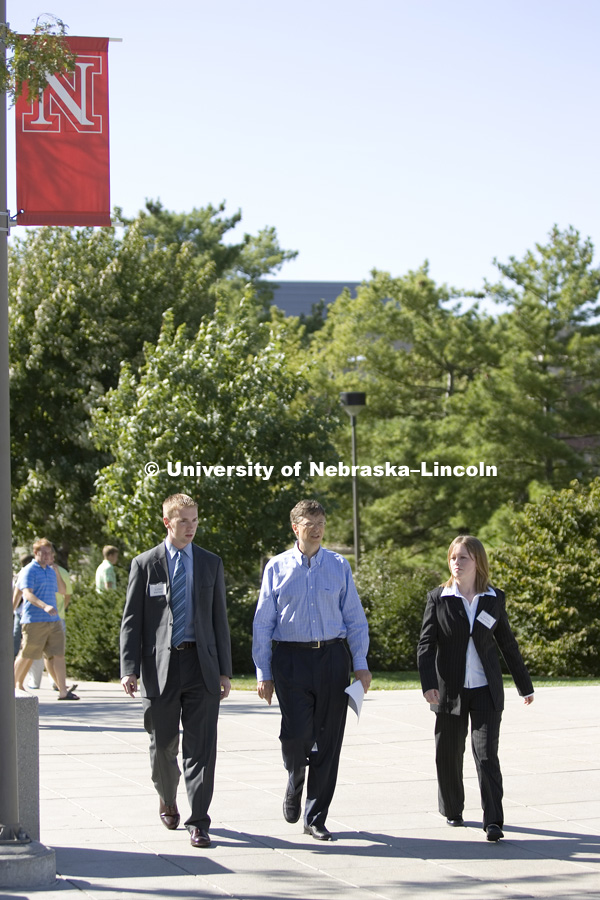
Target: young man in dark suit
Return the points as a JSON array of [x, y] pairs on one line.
[[175, 635]]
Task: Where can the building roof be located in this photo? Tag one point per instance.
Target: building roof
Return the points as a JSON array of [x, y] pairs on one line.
[[297, 298]]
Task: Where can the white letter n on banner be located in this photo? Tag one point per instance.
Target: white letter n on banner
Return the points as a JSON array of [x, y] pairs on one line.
[[70, 95]]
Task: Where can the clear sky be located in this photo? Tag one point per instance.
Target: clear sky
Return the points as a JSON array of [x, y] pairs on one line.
[[369, 134]]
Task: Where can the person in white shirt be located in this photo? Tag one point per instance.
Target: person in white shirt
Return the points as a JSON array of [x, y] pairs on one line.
[[464, 624]]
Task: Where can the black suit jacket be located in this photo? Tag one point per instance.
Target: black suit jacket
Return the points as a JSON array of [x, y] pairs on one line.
[[442, 649], [148, 620]]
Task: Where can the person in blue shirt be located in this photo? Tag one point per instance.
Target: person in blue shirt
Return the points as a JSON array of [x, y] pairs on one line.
[[43, 634], [25, 559], [309, 606]]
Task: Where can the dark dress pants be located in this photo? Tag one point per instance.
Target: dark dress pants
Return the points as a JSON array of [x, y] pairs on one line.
[[451, 730], [184, 699], [310, 686]]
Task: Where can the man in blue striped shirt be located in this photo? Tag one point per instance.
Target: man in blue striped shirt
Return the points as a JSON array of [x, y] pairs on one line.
[[309, 607], [43, 634]]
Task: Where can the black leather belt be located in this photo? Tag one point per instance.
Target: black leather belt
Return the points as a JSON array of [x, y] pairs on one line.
[[184, 645], [310, 645]]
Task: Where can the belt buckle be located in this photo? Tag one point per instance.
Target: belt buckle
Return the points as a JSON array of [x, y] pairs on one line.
[[317, 645]]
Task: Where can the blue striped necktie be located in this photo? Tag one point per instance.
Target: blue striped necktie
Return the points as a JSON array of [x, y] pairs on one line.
[[178, 601]]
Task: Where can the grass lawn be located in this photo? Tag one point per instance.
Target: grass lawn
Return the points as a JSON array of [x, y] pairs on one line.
[[405, 681]]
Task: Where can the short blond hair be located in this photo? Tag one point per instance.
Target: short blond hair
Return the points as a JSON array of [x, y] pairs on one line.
[[109, 550], [42, 542], [175, 502]]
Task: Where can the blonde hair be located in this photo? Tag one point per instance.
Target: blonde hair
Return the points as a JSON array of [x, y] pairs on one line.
[[42, 542], [175, 502], [476, 551]]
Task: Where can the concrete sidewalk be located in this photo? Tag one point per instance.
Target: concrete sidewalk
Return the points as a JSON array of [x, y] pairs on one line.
[[100, 812]]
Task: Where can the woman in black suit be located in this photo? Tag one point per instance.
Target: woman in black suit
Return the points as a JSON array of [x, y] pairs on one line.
[[465, 623]]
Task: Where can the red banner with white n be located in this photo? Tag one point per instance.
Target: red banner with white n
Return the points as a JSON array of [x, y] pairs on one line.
[[63, 173]]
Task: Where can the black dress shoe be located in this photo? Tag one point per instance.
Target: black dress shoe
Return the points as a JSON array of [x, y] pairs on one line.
[[169, 815], [456, 822], [320, 834], [199, 838], [494, 833], [292, 807]]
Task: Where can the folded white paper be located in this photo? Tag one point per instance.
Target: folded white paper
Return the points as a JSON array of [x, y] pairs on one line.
[[356, 693]]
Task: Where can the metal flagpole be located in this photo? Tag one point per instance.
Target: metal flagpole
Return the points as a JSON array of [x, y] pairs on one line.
[[10, 829]]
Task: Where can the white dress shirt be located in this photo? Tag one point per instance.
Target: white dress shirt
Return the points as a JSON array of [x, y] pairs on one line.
[[474, 674]]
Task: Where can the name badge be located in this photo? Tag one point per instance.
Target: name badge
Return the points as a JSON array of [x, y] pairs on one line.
[[157, 590], [486, 619]]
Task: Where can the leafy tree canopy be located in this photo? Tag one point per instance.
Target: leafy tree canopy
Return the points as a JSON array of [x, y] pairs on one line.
[[517, 392], [538, 411], [413, 350], [31, 58], [226, 397], [82, 301]]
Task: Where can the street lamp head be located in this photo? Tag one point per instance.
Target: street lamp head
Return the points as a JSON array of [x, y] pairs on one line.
[[353, 401]]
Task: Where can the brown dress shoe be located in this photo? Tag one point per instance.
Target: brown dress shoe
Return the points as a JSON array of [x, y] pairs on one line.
[[169, 815], [199, 837]]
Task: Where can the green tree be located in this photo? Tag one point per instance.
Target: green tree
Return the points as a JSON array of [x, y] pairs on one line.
[[534, 411], [540, 408], [31, 58], [230, 266], [413, 350], [550, 570], [232, 395], [84, 300], [455, 386]]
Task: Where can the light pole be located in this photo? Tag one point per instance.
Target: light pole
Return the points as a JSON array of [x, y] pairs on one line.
[[354, 402], [10, 830]]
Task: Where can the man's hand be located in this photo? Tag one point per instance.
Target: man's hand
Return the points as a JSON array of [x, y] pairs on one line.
[[528, 700], [35, 601], [17, 597], [225, 686], [432, 696], [62, 588], [364, 676], [130, 684], [265, 690]]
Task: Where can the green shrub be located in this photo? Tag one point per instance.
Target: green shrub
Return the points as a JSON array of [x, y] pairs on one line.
[[93, 626], [241, 604], [94, 623], [393, 596], [550, 571]]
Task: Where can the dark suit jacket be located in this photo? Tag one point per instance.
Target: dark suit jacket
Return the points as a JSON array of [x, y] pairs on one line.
[[442, 649], [148, 621]]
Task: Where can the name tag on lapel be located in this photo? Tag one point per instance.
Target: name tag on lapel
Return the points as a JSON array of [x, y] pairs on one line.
[[157, 590], [486, 619]]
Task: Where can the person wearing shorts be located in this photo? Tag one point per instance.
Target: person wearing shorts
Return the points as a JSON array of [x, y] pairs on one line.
[[43, 634]]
